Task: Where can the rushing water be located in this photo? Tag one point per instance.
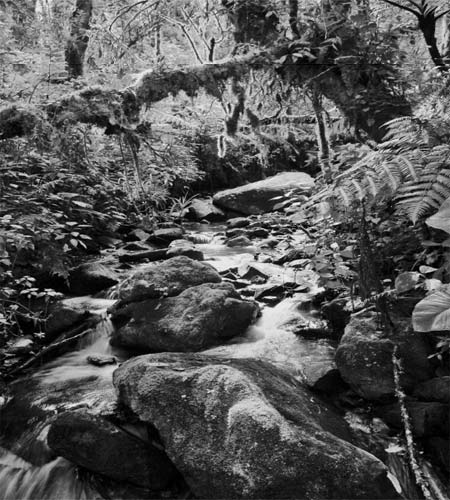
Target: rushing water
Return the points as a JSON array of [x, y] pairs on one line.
[[28, 470]]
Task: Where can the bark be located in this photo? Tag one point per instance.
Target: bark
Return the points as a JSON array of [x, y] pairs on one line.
[[79, 38], [427, 25]]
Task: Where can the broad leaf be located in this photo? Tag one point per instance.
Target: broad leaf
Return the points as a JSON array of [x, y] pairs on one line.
[[432, 314], [441, 219]]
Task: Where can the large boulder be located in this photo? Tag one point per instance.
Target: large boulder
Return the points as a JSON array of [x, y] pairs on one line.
[[245, 429], [258, 197], [202, 316], [364, 358], [98, 445], [166, 279], [91, 277]]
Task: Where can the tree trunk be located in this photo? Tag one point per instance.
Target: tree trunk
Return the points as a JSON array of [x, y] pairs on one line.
[[427, 24], [79, 38]]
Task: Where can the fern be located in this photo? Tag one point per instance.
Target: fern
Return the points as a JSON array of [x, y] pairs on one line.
[[404, 168]]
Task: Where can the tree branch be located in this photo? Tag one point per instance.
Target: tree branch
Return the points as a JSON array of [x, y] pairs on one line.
[[119, 110], [403, 7]]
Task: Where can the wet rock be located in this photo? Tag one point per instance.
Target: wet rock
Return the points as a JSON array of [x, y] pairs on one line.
[[166, 236], [337, 314], [238, 222], [91, 277], [246, 429], [62, 317], [203, 209], [166, 279], [101, 360], [101, 447], [323, 376], [239, 241], [259, 232], [427, 419], [258, 197], [364, 359], [233, 233], [150, 255], [184, 248], [137, 235], [436, 389], [135, 247], [20, 346], [200, 317]]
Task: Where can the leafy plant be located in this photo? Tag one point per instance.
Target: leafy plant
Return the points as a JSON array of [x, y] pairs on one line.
[[432, 314]]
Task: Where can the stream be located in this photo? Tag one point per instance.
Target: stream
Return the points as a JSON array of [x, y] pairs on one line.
[[28, 469]]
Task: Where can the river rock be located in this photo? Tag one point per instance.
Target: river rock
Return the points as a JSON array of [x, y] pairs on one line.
[[204, 209], [100, 446], [91, 277], [364, 359], [137, 235], [166, 279], [436, 389], [238, 222], [183, 247], [258, 197], [166, 235], [258, 232], [239, 241], [149, 255], [427, 418], [246, 429], [200, 317], [61, 318]]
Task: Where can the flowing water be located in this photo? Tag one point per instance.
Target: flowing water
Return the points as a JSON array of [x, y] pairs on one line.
[[28, 470]]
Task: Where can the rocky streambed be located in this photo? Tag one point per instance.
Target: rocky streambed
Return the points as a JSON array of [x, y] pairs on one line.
[[211, 374]]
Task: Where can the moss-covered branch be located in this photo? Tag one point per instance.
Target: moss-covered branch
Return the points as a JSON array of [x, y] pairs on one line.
[[120, 109]]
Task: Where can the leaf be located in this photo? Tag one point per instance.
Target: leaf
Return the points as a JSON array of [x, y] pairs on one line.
[[406, 281], [432, 284], [427, 269], [441, 219], [432, 314]]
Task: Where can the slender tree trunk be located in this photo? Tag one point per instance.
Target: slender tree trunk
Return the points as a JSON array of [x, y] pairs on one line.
[[445, 44], [79, 38], [323, 143], [427, 25]]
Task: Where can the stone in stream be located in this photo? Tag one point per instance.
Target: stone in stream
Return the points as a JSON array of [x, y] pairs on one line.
[[258, 197], [150, 255], [101, 360], [166, 279], [91, 277], [165, 236], [99, 446], [203, 209], [184, 247], [239, 241], [364, 359], [61, 318], [202, 316], [238, 222], [246, 429]]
